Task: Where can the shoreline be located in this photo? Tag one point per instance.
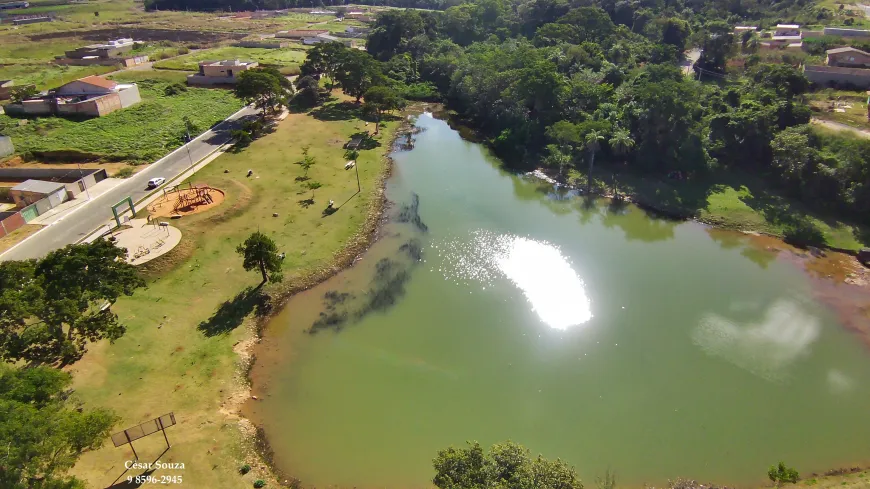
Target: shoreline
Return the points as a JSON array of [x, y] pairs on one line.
[[254, 443], [254, 440]]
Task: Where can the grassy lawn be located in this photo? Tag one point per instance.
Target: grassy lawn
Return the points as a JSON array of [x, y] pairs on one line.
[[285, 59], [177, 354], [741, 202], [854, 104], [46, 75], [141, 133]]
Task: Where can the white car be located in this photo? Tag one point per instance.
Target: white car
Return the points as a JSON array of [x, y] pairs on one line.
[[155, 182]]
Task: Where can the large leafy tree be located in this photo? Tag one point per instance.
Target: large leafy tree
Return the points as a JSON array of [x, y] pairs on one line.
[[261, 253], [506, 466], [359, 72], [325, 58], [53, 307], [42, 432], [265, 88], [381, 100]]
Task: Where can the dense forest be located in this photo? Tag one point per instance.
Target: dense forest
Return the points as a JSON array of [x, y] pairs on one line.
[[564, 82], [244, 5]]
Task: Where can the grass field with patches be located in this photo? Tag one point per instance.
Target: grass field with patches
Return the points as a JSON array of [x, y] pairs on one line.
[[729, 200], [141, 133], [283, 58], [853, 104], [177, 354]]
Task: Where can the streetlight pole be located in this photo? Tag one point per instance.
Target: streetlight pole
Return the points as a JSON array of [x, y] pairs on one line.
[[81, 179], [356, 168], [187, 145]]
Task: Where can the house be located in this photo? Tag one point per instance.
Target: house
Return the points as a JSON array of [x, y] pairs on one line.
[[33, 191], [835, 76], [13, 5], [111, 49], [741, 28], [786, 36], [847, 57], [74, 180], [301, 33], [843, 32], [223, 72], [329, 38], [91, 96], [6, 89]]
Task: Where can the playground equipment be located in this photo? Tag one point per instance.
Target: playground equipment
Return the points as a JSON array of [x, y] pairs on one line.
[[194, 196]]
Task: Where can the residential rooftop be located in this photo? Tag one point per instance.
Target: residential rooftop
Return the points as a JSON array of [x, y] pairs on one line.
[[38, 186]]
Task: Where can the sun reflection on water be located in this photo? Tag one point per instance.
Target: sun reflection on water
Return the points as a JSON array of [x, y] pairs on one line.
[[554, 290]]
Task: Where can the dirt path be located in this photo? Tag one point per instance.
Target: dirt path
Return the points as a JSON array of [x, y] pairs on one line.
[[838, 126]]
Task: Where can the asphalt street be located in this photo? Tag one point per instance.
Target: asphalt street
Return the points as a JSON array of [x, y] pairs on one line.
[[95, 213]]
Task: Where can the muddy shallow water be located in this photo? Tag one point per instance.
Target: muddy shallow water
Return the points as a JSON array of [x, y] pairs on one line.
[[494, 308]]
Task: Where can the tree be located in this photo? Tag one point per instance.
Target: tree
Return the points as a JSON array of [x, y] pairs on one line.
[[264, 88], [307, 91], [261, 253], [325, 58], [19, 94], [359, 72], [306, 162], [592, 141], [675, 32], [780, 473], [312, 186], [621, 142], [380, 100], [506, 466], [53, 307], [42, 432]]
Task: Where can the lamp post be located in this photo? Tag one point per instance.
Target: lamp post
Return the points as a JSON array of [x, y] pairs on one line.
[[187, 145], [81, 179]]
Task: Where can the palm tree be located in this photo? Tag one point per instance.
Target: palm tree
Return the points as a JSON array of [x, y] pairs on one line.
[[621, 143], [592, 142]]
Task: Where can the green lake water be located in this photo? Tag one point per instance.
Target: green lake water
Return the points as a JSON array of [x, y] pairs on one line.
[[596, 334]]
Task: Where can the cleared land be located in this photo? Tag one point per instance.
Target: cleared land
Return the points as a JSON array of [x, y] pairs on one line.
[[141, 133], [17, 236], [285, 59], [853, 104], [178, 354]]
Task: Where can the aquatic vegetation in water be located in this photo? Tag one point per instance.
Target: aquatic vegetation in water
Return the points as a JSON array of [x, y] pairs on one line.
[[409, 214], [387, 286]]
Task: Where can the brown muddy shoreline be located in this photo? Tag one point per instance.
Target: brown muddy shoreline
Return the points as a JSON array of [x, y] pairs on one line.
[[255, 444], [828, 280]]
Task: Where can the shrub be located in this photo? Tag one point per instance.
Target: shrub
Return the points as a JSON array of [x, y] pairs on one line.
[[174, 89], [183, 50], [804, 233], [780, 473], [244, 469], [259, 483], [125, 172]]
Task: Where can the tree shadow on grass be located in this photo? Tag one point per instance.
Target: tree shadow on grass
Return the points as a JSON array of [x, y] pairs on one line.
[[342, 111], [306, 203], [367, 142], [233, 312]]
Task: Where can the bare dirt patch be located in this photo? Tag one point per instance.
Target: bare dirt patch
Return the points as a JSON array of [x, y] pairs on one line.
[[184, 202], [111, 168]]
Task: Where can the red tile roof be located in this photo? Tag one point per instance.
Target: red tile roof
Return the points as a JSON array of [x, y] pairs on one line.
[[97, 81]]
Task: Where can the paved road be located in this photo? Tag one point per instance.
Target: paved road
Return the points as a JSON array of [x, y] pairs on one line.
[[95, 213]]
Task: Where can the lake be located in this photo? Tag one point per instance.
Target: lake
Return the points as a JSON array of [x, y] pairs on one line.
[[493, 307]]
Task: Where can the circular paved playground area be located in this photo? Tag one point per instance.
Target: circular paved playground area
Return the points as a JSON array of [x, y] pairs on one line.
[[145, 241], [186, 201]]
